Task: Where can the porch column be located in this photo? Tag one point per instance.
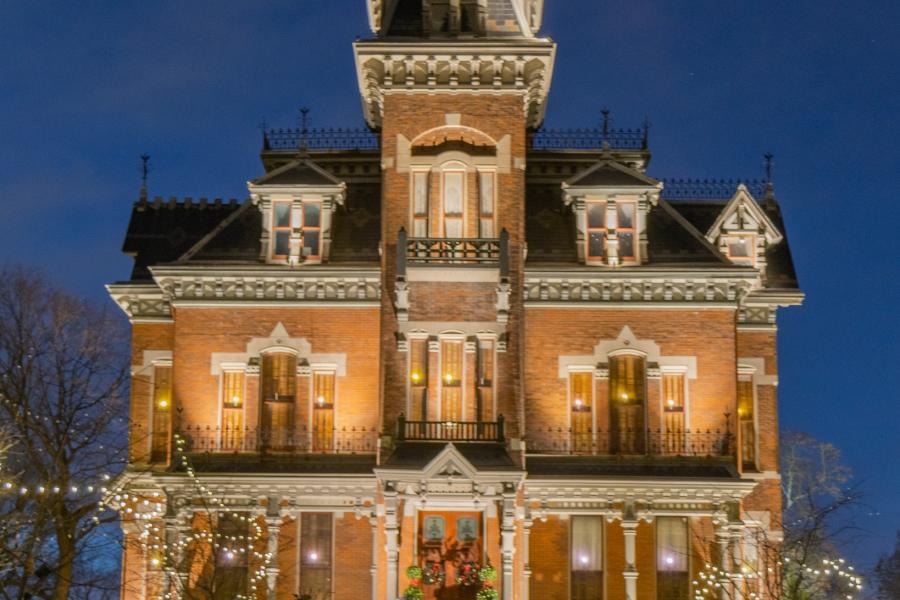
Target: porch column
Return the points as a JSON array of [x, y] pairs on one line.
[[723, 539], [392, 534], [526, 557], [373, 569], [737, 559], [508, 540], [629, 528], [273, 527]]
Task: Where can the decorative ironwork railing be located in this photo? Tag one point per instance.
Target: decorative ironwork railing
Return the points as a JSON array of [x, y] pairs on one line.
[[365, 139], [461, 250], [561, 440], [589, 139], [321, 139], [709, 189], [300, 440], [451, 431]]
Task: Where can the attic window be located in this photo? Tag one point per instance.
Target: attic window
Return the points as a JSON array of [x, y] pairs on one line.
[[741, 249], [281, 229]]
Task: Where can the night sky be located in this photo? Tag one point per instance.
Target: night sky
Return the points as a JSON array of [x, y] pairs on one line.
[[86, 87]]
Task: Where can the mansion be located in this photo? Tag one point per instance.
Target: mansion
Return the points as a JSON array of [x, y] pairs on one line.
[[453, 340]]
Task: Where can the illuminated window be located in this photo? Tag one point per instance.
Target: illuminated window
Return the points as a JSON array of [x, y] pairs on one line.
[[451, 380], [627, 387], [625, 230], [453, 199], [673, 413], [486, 205], [281, 229], [232, 410], [746, 416], [596, 231], [420, 205], [316, 531], [323, 410], [485, 383], [581, 396], [312, 230], [162, 412], [741, 249], [672, 558], [279, 385], [418, 379], [230, 577], [587, 557]]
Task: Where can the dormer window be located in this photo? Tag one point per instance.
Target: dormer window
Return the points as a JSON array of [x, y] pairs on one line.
[[741, 249], [606, 221], [310, 230], [281, 230]]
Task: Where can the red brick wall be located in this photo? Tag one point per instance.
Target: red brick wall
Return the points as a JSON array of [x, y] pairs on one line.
[[144, 336], [709, 335], [202, 332], [411, 115], [549, 559], [352, 558]]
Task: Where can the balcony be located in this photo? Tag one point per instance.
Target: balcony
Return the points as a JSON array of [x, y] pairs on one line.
[[563, 441], [448, 250], [206, 439], [451, 431]]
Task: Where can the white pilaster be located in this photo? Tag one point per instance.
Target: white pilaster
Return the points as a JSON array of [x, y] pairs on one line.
[[392, 544], [508, 541]]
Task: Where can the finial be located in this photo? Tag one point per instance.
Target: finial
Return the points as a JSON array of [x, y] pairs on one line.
[[605, 113], [304, 128], [769, 201], [264, 130], [646, 140], [768, 156], [145, 170]]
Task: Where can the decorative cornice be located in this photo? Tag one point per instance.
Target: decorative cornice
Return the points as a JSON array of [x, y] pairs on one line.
[[638, 286], [142, 303], [522, 66]]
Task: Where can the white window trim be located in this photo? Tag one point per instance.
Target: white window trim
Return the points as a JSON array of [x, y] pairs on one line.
[[675, 370]]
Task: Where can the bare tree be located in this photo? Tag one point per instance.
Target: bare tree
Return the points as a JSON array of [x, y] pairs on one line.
[[63, 377], [887, 574], [818, 506]]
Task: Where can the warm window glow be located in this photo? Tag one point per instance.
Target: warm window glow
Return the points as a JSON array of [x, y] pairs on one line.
[[451, 379], [672, 544], [586, 558], [323, 410], [232, 409], [162, 410], [486, 205], [673, 412], [746, 416], [316, 539], [418, 379], [281, 229], [627, 391], [581, 398], [279, 385], [626, 373]]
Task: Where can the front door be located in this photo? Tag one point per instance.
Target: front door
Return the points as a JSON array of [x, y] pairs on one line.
[[450, 550]]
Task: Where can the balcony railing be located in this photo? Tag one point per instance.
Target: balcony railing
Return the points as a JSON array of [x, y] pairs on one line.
[[688, 443], [451, 431], [301, 440], [448, 250]]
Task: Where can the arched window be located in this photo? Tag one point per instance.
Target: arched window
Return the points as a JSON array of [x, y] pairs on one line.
[[279, 391], [627, 398], [453, 200]]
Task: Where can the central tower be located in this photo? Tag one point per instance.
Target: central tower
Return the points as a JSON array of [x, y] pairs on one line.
[[453, 86]]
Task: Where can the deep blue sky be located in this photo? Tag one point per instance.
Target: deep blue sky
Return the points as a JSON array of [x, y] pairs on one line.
[[85, 87]]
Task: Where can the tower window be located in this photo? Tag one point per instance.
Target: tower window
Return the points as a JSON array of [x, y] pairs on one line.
[[323, 410], [581, 397], [451, 380], [486, 205], [673, 413], [420, 205], [453, 194], [418, 379], [485, 389], [747, 418], [162, 412], [232, 410], [279, 384]]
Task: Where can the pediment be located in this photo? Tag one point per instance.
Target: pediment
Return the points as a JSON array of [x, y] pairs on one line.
[[743, 214], [449, 463], [608, 173], [301, 172]]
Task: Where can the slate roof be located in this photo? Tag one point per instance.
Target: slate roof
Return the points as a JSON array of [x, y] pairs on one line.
[[161, 231], [218, 232], [487, 456], [779, 262]]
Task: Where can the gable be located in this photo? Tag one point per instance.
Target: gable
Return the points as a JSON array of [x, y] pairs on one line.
[[743, 214]]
